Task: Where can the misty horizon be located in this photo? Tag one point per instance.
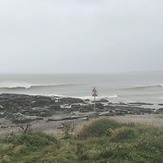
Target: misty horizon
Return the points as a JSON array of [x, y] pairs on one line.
[[80, 37]]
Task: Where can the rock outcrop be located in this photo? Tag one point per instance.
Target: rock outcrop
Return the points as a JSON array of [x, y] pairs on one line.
[[21, 108]]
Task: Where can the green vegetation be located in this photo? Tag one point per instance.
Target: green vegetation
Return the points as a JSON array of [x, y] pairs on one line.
[[101, 141], [98, 128]]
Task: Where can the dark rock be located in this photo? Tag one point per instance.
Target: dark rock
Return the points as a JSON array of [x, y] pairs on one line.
[[109, 107], [159, 111], [54, 108], [21, 108], [86, 108], [65, 118], [121, 103], [40, 103], [2, 114], [87, 100], [99, 106], [140, 103], [69, 100], [75, 107], [1, 107], [102, 100], [20, 118], [24, 108]]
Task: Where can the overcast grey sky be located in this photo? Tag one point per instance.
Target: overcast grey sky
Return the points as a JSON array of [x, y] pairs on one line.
[[81, 36]]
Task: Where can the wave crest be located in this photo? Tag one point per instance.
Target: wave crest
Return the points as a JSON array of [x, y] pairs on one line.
[[29, 86], [147, 86]]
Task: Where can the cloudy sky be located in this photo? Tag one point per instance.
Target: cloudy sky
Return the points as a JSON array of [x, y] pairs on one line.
[[81, 36]]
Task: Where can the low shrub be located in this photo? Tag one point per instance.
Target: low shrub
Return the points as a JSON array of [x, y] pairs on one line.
[[98, 128], [109, 132], [81, 152], [34, 139], [150, 130], [67, 128], [124, 133]]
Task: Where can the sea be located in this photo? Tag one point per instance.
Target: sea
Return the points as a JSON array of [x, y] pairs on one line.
[[116, 87]]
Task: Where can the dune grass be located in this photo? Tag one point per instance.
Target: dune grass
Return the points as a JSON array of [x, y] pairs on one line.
[[98, 128], [101, 141]]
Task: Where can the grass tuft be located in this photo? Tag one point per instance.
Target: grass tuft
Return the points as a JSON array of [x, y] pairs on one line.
[[35, 140], [124, 134], [98, 128]]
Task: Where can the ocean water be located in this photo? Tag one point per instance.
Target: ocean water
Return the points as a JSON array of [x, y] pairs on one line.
[[120, 87]]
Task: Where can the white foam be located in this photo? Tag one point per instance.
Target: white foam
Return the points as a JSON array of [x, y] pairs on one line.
[[11, 85], [98, 97], [114, 96], [14, 85]]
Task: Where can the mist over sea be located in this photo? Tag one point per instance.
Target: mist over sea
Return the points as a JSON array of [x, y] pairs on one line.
[[120, 87]]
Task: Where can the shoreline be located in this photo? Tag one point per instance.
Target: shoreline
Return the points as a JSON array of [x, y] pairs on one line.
[[46, 113]]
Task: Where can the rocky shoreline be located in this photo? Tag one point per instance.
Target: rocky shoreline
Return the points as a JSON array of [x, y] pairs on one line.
[[22, 109]]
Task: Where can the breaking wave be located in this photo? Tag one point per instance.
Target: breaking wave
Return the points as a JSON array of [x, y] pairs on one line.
[[27, 86], [147, 86]]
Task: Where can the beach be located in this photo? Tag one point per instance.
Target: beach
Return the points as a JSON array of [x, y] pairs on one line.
[[46, 114]]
